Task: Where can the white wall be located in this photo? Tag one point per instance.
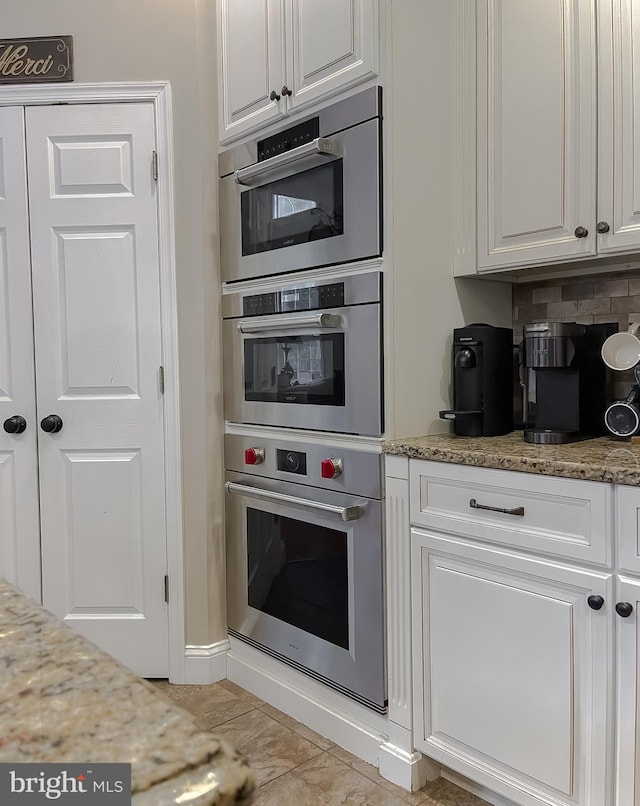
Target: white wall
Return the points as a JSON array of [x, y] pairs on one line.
[[174, 40], [424, 303]]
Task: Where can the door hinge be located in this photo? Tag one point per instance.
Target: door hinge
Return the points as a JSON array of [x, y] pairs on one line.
[[161, 379], [166, 588], [154, 165]]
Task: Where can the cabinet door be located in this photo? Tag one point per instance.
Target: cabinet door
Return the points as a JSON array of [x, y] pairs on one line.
[[619, 122], [334, 45], [511, 679], [251, 64], [536, 131], [628, 704]]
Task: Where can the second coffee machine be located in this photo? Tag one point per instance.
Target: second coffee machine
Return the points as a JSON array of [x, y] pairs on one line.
[[565, 381]]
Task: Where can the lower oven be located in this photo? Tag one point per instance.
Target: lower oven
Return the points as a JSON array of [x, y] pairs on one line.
[[305, 354], [304, 560]]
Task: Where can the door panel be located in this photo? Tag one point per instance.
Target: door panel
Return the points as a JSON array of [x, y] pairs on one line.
[[96, 298], [19, 514], [524, 621], [536, 130], [628, 694], [252, 64], [98, 351], [619, 119], [334, 44]]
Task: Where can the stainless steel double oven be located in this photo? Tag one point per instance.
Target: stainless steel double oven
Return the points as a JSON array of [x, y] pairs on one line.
[[302, 352]]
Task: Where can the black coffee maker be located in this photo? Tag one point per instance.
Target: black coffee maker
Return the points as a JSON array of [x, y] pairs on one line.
[[565, 381], [482, 372]]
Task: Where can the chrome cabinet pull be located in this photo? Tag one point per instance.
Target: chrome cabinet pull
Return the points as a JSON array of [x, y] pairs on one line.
[[348, 513], [320, 147], [515, 511], [265, 324]]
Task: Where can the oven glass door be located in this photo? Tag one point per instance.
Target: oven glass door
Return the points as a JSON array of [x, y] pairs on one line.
[[306, 206], [298, 572], [305, 580], [304, 369]]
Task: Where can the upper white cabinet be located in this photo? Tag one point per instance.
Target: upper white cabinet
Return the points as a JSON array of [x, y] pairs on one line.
[[556, 145], [278, 56]]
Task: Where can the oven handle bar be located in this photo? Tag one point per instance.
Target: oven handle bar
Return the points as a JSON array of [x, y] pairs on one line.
[[320, 147], [349, 513], [290, 322]]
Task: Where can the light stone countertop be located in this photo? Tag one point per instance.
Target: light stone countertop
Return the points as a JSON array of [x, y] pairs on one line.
[[63, 700], [601, 459]]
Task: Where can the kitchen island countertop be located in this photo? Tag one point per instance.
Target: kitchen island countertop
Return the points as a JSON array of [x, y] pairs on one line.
[[601, 459], [63, 700]]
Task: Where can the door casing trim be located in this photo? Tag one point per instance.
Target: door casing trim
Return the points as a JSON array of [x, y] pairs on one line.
[[158, 93]]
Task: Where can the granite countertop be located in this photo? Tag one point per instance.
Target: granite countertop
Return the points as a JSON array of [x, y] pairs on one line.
[[63, 700], [600, 459]]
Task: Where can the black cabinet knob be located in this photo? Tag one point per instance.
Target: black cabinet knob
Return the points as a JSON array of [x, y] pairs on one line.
[[51, 424], [602, 227], [624, 609], [15, 424], [285, 90], [581, 232], [274, 96], [595, 602]]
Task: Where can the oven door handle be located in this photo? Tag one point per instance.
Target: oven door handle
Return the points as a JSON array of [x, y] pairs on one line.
[[290, 322], [348, 513], [321, 147]]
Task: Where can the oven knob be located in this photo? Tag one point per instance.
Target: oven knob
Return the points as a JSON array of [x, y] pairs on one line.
[[253, 456], [331, 468]]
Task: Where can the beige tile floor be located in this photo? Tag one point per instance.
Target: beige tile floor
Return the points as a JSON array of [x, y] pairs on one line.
[[294, 765]]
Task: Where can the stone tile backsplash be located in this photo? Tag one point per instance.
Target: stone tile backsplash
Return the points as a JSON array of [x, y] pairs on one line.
[[612, 298]]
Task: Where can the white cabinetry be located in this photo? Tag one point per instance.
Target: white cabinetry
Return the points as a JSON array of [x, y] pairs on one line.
[[278, 56], [513, 669], [510, 660], [557, 125]]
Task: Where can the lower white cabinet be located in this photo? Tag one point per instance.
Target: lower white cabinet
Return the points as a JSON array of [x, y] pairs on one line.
[[627, 695], [525, 632], [511, 669]]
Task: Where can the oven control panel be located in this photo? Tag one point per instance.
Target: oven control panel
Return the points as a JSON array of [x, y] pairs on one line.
[[334, 466], [305, 298], [292, 461]]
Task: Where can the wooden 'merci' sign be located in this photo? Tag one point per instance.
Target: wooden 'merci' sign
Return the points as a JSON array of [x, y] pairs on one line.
[[43, 58]]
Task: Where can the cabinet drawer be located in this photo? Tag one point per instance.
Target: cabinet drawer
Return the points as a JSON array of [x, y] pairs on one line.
[[567, 517], [627, 520]]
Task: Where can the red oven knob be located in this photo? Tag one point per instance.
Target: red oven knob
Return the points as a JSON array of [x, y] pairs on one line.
[[331, 468], [253, 456]]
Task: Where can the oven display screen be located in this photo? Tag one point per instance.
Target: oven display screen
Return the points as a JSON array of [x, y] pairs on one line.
[[307, 206], [298, 573], [295, 369]]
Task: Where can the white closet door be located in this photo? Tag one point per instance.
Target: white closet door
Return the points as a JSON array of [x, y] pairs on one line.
[[19, 517], [98, 351]]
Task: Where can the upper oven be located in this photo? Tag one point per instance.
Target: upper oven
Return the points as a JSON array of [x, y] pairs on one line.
[[305, 354], [306, 196]]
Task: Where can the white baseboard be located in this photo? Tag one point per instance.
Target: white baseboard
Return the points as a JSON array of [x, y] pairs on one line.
[[345, 722], [205, 664], [409, 770]]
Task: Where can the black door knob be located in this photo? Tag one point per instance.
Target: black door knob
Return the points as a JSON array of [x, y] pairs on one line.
[[15, 424], [51, 424], [274, 96], [602, 227], [624, 609], [595, 602], [581, 232], [285, 90]]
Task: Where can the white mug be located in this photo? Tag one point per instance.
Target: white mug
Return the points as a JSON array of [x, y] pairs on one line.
[[622, 350]]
